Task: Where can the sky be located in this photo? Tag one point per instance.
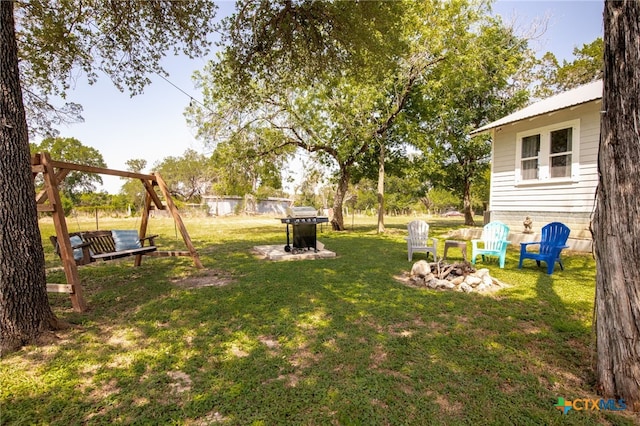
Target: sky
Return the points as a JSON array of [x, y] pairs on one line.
[[152, 126]]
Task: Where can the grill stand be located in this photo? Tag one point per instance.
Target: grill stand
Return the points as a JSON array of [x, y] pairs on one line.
[[287, 248], [304, 233]]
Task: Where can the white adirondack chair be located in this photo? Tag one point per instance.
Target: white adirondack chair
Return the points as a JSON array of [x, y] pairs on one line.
[[418, 239]]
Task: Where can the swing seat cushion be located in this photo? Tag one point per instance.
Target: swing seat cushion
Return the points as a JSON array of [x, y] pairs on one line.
[[106, 245], [75, 241], [126, 239]]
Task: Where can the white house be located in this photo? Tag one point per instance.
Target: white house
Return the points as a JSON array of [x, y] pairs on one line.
[[544, 163]]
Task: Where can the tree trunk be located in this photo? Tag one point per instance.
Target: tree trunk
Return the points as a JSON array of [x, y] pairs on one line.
[[25, 313], [381, 190], [337, 222], [466, 201], [616, 226]]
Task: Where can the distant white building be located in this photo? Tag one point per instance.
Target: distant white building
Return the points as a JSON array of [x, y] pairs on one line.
[[544, 162], [225, 205]]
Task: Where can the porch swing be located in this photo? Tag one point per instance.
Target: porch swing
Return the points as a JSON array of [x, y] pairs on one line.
[[101, 245], [92, 246]]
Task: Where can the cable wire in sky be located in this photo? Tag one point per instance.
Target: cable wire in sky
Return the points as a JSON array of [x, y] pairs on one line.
[[187, 94]]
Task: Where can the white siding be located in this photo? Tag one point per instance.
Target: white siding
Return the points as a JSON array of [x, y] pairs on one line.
[[575, 196]]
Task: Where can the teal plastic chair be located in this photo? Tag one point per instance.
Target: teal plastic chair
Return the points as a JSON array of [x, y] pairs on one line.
[[553, 241], [493, 242]]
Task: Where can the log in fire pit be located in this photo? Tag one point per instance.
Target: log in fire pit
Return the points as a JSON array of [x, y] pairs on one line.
[[303, 221], [441, 275]]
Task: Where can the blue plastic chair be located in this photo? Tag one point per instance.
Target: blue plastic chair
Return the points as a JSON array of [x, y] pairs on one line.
[[553, 240], [492, 242]]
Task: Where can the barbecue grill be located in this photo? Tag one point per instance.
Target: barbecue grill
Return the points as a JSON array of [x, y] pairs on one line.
[[303, 221]]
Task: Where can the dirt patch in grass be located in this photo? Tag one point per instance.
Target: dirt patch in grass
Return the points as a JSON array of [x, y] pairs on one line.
[[447, 406], [180, 382], [210, 418], [205, 278]]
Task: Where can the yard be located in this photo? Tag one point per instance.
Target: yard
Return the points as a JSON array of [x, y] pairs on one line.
[[334, 341]]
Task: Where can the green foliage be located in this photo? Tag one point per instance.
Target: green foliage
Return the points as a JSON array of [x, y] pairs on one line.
[[235, 179], [481, 191], [364, 198], [264, 103], [586, 67], [476, 88], [397, 161], [188, 177], [123, 203], [276, 42], [402, 195], [94, 199], [132, 191], [136, 165], [101, 202], [265, 191], [124, 40], [67, 204], [306, 193], [439, 200], [73, 151], [239, 168]]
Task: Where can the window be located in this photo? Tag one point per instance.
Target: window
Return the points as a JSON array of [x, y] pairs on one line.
[[560, 157], [547, 154], [530, 152]]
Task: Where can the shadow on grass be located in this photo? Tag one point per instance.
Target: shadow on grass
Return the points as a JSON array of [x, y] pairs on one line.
[[333, 341]]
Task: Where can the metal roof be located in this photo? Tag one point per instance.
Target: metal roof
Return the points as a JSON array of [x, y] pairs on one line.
[[579, 95]]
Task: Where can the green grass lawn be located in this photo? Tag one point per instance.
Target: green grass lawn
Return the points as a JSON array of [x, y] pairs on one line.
[[318, 342]]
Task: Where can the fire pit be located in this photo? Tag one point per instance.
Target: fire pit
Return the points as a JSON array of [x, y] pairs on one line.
[[462, 276], [303, 221]]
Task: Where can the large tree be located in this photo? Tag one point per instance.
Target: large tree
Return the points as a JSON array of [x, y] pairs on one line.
[[308, 42], [332, 119], [24, 308], [73, 151], [336, 108], [125, 40], [616, 228], [477, 88], [306, 75]]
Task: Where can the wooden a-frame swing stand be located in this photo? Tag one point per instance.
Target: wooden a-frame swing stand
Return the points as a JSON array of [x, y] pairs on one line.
[[48, 200]]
